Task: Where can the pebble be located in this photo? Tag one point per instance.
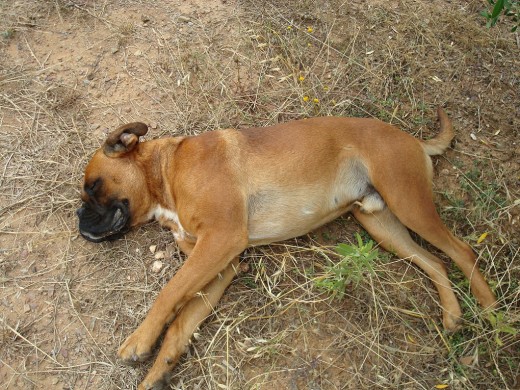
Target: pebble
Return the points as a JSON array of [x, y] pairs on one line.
[[157, 266], [467, 360]]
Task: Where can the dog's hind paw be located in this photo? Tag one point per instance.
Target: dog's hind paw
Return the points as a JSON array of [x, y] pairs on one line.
[[452, 321]]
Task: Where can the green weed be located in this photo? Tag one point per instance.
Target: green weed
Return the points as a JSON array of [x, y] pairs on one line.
[[356, 264], [502, 326], [7, 34], [509, 8]]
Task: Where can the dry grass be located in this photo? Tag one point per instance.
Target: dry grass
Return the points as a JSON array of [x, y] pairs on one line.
[[73, 70]]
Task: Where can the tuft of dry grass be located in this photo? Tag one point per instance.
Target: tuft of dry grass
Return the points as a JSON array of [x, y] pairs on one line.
[[74, 70]]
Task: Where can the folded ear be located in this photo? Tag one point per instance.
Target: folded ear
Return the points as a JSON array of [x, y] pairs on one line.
[[124, 139]]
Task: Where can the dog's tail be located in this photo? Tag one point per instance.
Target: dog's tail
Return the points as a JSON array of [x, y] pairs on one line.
[[440, 143]]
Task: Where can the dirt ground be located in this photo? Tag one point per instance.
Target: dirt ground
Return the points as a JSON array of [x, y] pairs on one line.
[[71, 71]]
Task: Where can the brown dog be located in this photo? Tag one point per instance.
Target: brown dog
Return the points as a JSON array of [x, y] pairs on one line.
[[225, 190]]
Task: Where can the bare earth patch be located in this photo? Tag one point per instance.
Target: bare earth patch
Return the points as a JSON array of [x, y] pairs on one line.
[[70, 71]]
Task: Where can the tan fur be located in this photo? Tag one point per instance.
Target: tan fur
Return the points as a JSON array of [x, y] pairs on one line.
[[226, 190]]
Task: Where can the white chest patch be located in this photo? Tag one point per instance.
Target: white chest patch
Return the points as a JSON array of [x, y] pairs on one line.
[[170, 219], [160, 212]]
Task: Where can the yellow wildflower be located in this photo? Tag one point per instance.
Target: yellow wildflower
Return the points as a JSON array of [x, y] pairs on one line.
[[305, 98], [316, 100], [310, 29], [301, 78]]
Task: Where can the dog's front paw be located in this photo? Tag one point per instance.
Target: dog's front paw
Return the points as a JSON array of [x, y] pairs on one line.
[[154, 384], [157, 379], [160, 374], [137, 347]]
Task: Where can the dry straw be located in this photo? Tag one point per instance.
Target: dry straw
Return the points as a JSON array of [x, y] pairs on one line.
[[70, 71]]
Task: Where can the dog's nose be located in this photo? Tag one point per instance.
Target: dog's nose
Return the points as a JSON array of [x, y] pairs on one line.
[[80, 211]]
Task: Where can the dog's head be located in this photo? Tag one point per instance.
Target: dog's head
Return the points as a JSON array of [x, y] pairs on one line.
[[115, 193]]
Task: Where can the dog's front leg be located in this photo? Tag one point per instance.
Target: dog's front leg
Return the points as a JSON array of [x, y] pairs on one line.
[[212, 253], [180, 331]]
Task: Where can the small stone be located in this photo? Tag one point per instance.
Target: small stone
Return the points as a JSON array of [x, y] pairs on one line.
[[467, 360], [26, 308], [184, 19], [153, 125], [138, 53], [145, 19], [157, 266], [114, 49], [244, 267], [160, 255], [473, 136], [153, 248], [445, 172]]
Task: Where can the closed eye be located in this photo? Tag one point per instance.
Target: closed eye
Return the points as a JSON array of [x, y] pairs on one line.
[[92, 188]]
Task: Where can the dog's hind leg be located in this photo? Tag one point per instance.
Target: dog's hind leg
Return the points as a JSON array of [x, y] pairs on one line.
[[406, 187], [179, 332], [425, 221], [392, 235]]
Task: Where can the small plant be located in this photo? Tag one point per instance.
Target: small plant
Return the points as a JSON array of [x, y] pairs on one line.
[[124, 32], [8, 34], [501, 325], [510, 8], [356, 264]]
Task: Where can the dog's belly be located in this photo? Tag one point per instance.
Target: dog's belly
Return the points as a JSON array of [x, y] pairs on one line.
[[285, 207], [281, 215]]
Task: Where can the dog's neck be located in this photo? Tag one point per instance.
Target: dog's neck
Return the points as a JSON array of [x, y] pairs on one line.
[[158, 162]]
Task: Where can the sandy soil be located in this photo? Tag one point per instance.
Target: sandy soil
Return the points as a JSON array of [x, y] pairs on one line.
[[71, 71]]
